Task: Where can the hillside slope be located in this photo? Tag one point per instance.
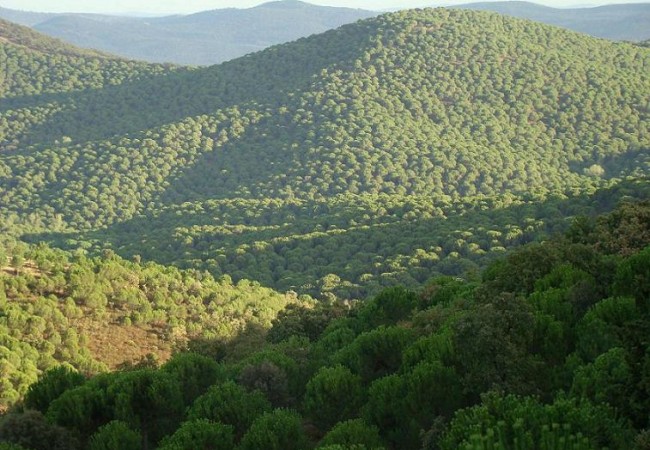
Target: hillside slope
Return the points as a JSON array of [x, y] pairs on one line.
[[547, 351], [403, 120], [102, 313], [627, 22], [19, 35], [33, 64]]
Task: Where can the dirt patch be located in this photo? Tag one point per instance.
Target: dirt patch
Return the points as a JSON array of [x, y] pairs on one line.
[[116, 344]]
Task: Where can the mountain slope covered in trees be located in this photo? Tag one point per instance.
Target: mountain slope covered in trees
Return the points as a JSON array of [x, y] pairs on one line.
[[626, 22], [547, 351], [35, 66], [102, 313], [298, 178]]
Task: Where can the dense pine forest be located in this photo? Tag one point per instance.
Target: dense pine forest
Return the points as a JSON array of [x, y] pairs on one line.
[[548, 350], [425, 230], [295, 166]]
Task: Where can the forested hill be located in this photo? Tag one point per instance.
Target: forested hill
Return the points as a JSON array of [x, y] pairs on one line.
[[26, 37], [33, 65], [627, 22], [294, 165]]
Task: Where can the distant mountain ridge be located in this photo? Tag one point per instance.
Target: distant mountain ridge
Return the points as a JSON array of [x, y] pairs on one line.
[[625, 22], [211, 37], [204, 38]]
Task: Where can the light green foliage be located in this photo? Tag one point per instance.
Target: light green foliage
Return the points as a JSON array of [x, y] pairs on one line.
[[39, 312]]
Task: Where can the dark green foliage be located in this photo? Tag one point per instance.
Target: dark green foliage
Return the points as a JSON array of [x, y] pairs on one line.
[[353, 433], [269, 379], [491, 345], [193, 373], [346, 447], [433, 390], [529, 421], [376, 353], [626, 230], [633, 279], [150, 401], [303, 321], [32, 431], [414, 145], [10, 446], [200, 434], [560, 364], [115, 435], [334, 394], [607, 380], [531, 263], [388, 409], [230, 404], [50, 386], [84, 408], [602, 327], [277, 430], [388, 307]]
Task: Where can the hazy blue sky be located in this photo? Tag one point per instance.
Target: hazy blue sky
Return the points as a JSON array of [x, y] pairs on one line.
[[187, 6]]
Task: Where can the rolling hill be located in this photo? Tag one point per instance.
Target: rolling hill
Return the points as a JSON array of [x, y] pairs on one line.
[[626, 22], [386, 151], [204, 38], [438, 148]]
